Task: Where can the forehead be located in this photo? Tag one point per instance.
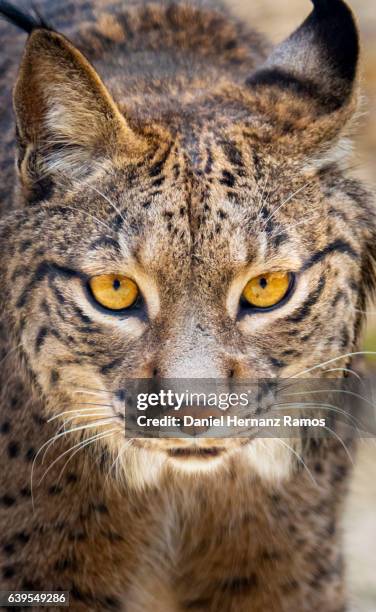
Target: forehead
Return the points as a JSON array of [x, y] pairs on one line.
[[206, 202]]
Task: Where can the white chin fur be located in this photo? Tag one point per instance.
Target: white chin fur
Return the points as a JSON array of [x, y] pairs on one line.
[[196, 466], [272, 459]]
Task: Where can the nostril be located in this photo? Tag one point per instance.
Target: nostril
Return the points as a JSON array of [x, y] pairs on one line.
[[155, 372], [231, 374]]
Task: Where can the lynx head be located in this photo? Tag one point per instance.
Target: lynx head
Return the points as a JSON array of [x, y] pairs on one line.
[[202, 228]]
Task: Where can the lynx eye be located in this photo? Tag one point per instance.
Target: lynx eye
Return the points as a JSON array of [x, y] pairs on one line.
[[268, 290], [114, 291]]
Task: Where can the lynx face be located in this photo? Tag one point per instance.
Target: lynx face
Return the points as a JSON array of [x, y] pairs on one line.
[[215, 238]]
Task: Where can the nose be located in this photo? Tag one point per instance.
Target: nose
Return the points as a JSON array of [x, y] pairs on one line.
[[195, 421]]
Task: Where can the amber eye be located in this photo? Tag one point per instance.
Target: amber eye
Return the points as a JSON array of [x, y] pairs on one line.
[[267, 290], [114, 291]]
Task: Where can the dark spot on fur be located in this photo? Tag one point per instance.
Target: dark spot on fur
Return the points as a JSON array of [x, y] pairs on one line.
[[15, 402], [30, 454], [5, 427], [77, 536], [7, 501], [25, 244], [22, 537], [111, 365], [13, 450], [240, 585], [29, 585], [201, 603], [9, 549], [64, 564], [55, 490], [38, 419], [227, 179], [159, 181], [54, 377], [8, 571], [277, 363], [100, 508], [41, 337], [118, 222], [105, 241]]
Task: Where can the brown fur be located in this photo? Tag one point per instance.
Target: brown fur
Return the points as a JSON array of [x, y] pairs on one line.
[[192, 167]]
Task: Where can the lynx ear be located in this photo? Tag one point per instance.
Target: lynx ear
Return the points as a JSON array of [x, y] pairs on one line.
[[65, 116], [309, 83]]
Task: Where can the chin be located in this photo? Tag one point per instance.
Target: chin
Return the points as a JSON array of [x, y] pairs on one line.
[[146, 462]]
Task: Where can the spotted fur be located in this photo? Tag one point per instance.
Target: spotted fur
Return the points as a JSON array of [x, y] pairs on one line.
[[168, 143]]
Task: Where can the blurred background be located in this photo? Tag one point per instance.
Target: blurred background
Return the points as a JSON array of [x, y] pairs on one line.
[[277, 19]]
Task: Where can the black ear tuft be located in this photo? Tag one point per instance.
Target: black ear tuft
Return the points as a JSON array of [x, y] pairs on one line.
[[336, 30], [22, 20], [320, 58]]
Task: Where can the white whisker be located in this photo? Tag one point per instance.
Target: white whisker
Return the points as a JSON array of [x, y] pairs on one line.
[[306, 220], [94, 392], [12, 350], [333, 360], [81, 410], [80, 444], [107, 199], [347, 370], [290, 197], [300, 459], [261, 199], [92, 414], [334, 433], [92, 217], [49, 443]]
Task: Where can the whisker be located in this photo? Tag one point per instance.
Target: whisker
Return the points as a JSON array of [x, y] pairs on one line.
[[65, 433], [366, 312], [119, 456], [261, 199], [96, 392], [306, 220], [49, 442], [300, 459], [334, 433], [57, 416], [345, 391], [105, 198], [290, 197], [92, 414], [324, 363], [84, 444], [92, 217], [349, 371], [12, 350], [80, 444]]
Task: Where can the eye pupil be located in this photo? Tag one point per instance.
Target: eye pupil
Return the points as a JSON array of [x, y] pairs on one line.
[[116, 284], [263, 283]]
